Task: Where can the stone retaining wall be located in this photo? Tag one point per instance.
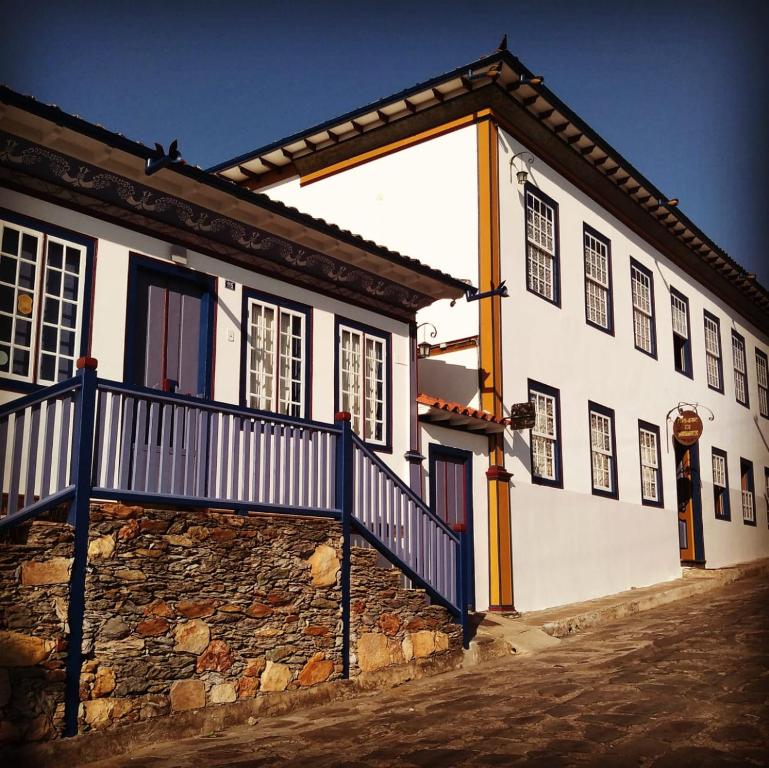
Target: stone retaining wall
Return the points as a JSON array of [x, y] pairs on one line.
[[186, 610]]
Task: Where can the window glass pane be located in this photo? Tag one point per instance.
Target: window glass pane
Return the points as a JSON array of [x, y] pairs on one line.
[[55, 254], [10, 240]]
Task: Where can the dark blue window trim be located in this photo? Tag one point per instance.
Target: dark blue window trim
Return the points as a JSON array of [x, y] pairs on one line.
[[588, 230], [766, 492], [746, 475], [609, 413], [281, 303], [138, 263], [339, 320], [717, 322], [534, 192], [90, 245], [536, 386], [436, 451], [724, 494], [688, 368], [740, 337], [653, 324], [649, 427], [762, 356]]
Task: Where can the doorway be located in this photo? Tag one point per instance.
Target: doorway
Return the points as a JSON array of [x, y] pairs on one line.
[[169, 329], [690, 538], [451, 498]]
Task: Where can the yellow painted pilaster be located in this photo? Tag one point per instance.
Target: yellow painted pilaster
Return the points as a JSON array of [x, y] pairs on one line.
[[490, 342]]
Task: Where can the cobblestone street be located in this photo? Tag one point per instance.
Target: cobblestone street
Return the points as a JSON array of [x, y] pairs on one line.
[[682, 685]]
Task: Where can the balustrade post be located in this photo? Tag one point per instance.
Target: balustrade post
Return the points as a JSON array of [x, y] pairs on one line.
[[344, 497], [462, 586], [82, 467]]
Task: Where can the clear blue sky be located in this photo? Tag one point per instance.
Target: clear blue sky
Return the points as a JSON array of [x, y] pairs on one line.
[[679, 88]]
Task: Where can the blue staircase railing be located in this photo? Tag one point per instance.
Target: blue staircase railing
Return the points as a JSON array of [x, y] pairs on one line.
[[88, 438]]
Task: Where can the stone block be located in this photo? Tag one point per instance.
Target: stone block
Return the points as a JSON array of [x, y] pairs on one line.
[[441, 642], [36, 573], [153, 627], [159, 608], [130, 574], [418, 645], [101, 548], [248, 687], [275, 677], [254, 667], [19, 650], [179, 541], [389, 624], [114, 629], [39, 729], [104, 682], [195, 609], [187, 694], [217, 657], [258, 610], [98, 712], [316, 670], [324, 565], [376, 651], [316, 630], [192, 637], [222, 693]]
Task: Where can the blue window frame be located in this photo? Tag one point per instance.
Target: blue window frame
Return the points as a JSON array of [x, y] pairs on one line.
[[642, 295], [720, 485], [363, 366], [603, 451], [714, 364], [682, 335], [762, 379], [545, 443], [739, 360], [599, 299], [276, 359], [650, 457], [748, 492], [46, 275], [543, 270]]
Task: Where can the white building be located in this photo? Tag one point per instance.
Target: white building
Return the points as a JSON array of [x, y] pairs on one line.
[[620, 310]]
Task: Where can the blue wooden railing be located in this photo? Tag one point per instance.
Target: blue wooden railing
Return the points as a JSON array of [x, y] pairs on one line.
[[88, 438]]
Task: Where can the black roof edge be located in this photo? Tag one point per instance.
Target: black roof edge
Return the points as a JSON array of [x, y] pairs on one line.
[[491, 58], [58, 116], [518, 66]]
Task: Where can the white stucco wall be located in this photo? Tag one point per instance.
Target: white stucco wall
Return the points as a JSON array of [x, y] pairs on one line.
[[109, 316], [421, 201], [477, 445], [451, 376], [569, 545]]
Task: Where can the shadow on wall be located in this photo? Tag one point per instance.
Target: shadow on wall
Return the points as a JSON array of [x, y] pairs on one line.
[[451, 382]]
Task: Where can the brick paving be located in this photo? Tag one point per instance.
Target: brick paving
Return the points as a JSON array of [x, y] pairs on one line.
[[682, 685]]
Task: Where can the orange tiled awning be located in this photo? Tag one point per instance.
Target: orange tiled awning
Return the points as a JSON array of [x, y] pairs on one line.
[[442, 412]]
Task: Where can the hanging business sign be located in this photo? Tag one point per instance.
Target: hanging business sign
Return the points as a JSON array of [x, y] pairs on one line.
[[687, 428]]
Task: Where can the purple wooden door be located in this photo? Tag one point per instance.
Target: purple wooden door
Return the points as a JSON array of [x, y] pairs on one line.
[[451, 489], [451, 497], [169, 335]]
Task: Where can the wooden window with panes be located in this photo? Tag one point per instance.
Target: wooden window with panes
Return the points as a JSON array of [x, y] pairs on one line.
[[545, 435], [363, 382], [42, 284], [541, 246], [748, 492], [720, 485], [682, 347], [762, 377], [643, 308], [740, 369], [713, 363], [602, 450], [276, 359], [649, 449], [598, 309]]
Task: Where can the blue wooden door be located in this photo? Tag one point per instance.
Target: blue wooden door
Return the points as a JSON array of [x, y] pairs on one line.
[[451, 499], [170, 337]]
